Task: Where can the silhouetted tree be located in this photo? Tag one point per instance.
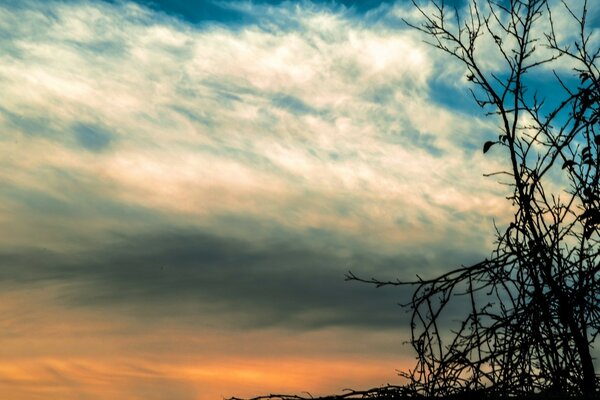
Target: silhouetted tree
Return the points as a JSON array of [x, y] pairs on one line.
[[533, 308]]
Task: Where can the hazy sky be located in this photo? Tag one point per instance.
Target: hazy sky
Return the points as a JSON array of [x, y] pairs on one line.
[[183, 185]]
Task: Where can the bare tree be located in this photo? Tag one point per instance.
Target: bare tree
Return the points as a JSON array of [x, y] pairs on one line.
[[533, 308]]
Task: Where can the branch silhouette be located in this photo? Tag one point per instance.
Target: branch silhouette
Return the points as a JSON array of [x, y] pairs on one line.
[[531, 311]]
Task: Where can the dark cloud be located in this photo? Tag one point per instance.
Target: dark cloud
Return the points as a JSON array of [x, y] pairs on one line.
[[198, 116], [422, 140], [36, 201], [75, 196], [280, 282], [92, 137], [32, 126], [410, 137], [383, 94], [292, 104]]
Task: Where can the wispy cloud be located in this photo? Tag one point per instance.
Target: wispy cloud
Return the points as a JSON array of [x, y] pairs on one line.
[[277, 123]]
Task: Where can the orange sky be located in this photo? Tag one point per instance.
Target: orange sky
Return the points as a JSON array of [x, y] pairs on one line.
[[53, 352]]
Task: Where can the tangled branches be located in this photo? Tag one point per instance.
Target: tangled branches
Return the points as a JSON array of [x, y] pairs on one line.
[[532, 310], [390, 392]]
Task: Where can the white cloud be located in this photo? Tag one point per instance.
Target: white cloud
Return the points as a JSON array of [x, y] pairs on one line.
[[278, 123]]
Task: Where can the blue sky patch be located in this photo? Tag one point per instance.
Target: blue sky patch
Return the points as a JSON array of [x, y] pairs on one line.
[[198, 11], [453, 97], [229, 13]]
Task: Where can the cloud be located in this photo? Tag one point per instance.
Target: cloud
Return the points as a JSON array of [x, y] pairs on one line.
[[223, 170], [92, 137], [287, 124], [286, 281]]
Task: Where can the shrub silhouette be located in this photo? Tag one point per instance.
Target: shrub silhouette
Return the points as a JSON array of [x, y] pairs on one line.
[[533, 308]]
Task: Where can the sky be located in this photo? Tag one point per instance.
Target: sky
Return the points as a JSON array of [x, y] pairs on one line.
[[184, 185]]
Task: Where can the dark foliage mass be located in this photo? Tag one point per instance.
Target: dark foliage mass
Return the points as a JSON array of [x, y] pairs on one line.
[[532, 310]]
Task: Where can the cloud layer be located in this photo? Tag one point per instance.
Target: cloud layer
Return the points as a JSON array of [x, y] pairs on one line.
[[309, 127]]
